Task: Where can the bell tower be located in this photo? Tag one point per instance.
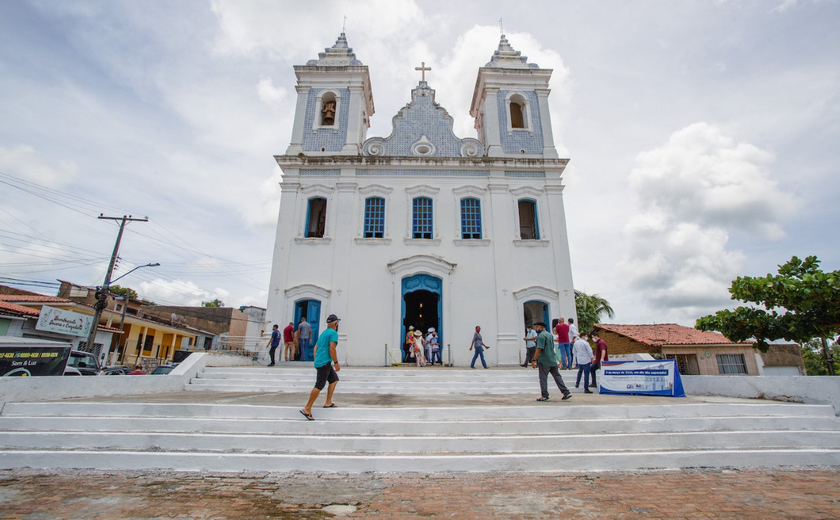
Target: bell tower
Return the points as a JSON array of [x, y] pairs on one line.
[[334, 103], [510, 106]]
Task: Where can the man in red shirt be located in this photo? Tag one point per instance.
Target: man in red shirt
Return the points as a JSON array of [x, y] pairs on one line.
[[289, 340], [564, 348], [600, 355]]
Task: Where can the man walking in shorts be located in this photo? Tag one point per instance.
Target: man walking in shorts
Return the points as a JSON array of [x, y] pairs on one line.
[[325, 357]]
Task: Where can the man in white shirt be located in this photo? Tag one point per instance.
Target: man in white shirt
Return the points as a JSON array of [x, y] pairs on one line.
[[530, 344], [573, 331], [584, 356]]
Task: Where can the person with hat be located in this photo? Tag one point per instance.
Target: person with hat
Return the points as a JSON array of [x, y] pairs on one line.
[[546, 357], [428, 342], [325, 357], [418, 349], [408, 344]]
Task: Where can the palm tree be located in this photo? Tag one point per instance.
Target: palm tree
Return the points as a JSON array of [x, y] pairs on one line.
[[590, 309]]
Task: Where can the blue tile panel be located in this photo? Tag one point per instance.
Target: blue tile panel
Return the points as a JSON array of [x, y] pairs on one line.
[[319, 172], [470, 218], [374, 217], [422, 218], [326, 138], [520, 139], [423, 173], [423, 117], [525, 174]]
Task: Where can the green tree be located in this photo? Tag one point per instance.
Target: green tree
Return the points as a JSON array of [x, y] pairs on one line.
[[799, 304], [215, 303], [123, 291], [590, 309], [814, 357]]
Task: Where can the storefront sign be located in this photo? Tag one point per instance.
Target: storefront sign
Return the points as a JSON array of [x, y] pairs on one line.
[[24, 361], [642, 378], [64, 322]]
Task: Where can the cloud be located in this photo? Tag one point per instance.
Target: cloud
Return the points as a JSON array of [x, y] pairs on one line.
[[275, 97], [27, 164], [689, 195], [178, 292]]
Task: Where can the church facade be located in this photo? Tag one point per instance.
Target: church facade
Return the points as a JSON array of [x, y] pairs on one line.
[[421, 228]]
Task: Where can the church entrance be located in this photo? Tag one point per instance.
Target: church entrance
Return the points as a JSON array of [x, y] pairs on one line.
[[535, 311], [421, 307], [311, 310]]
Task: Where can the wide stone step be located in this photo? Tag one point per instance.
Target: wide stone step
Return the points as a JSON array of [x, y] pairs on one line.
[[296, 425], [552, 410], [462, 444], [424, 463]]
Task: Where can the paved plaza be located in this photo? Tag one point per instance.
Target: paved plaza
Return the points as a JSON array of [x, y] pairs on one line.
[[29, 494]]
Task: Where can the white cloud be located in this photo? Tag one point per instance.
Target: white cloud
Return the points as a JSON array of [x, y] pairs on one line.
[[275, 97], [178, 292], [690, 194], [26, 163]]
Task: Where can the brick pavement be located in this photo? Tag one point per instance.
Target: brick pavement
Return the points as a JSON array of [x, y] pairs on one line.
[[29, 494]]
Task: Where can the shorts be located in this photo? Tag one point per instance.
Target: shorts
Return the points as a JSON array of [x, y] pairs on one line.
[[326, 374]]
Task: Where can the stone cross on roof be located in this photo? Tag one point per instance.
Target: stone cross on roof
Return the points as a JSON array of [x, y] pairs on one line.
[[423, 68]]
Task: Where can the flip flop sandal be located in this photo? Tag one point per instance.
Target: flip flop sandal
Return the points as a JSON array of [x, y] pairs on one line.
[[307, 415], [331, 406]]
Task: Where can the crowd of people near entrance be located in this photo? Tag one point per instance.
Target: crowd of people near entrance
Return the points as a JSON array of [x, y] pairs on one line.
[[423, 349]]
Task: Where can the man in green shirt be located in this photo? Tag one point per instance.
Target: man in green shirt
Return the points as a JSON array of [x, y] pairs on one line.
[[546, 357]]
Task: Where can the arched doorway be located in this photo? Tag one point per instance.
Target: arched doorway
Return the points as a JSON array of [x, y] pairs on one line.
[[422, 304], [311, 310], [534, 311]]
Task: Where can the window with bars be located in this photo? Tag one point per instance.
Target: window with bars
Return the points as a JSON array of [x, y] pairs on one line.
[[422, 218], [374, 217], [686, 363], [731, 364], [470, 218], [528, 229]]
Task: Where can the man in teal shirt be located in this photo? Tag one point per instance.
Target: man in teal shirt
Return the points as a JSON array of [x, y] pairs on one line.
[[325, 356], [546, 358]]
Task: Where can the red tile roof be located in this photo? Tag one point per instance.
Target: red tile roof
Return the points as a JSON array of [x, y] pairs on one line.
[[31, 298], [666, 334], [18, 309]]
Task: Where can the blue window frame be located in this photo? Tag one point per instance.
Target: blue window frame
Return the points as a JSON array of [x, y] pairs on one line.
[[374, 217], [470, 218], [316, 218], [529, 228], [422, 224]]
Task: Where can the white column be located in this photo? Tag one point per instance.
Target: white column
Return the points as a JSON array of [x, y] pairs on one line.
[[345, 210], [353, 143], [549, 150], [283, 244], [296, 145], [507, 344], [562, 259], [491, 123]]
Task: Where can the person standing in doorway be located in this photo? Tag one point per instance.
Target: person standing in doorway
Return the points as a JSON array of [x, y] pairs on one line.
[[584, 357], [408, 344], [304, 338], [289, 341], [564, 347], [545, 357], [325, 358], [429, 335], [601, 355], [479, 345], [435, 341], [274, 342], [530, 345]]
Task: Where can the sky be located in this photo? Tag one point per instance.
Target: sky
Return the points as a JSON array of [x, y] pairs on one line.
[[703, 134]]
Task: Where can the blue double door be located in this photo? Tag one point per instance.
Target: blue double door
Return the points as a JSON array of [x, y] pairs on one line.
[[311, 310], [422, 306]]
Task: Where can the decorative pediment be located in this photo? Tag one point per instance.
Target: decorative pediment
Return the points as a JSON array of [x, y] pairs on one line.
[[423, 129], [422, 264]]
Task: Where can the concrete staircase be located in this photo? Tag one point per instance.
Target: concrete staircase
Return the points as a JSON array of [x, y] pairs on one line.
[[192, 435]]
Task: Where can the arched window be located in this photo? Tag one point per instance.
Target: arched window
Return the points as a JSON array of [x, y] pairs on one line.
[[328, 109], [422, 225], [470, 218], [528, 225], [316, 218], [518, 112], [374, 217]]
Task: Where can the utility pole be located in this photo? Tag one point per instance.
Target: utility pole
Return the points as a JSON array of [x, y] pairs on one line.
[[102, 291]]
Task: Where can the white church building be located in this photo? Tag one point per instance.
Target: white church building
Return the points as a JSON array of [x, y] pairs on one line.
[[421, 228]]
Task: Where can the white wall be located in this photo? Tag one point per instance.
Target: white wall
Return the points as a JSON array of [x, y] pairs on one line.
[[797, 389]]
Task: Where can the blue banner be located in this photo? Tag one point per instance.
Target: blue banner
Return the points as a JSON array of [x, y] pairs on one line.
[[658, 377]]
